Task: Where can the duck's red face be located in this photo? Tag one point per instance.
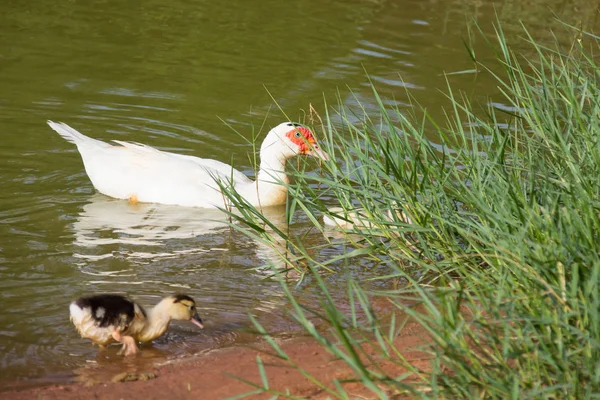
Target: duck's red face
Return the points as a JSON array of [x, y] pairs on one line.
[[307, 145]]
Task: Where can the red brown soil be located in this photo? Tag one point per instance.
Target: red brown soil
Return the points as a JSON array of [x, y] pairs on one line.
[[209, 376]]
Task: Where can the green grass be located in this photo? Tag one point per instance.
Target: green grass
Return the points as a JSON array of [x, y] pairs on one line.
[[502, 253]]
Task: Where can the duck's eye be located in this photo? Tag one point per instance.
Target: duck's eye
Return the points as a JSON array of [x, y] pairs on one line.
[[192, 308], [298, 134]]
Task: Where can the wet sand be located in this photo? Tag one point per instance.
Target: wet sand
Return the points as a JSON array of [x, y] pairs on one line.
[[212, 375]]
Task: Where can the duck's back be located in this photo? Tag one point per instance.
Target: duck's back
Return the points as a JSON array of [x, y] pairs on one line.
[[140, 172]]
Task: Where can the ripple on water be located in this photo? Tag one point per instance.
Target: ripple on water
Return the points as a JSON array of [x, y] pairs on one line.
[[141, 94]]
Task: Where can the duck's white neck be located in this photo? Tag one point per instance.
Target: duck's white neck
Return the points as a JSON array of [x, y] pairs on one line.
[[269, 188], [157, 322], [272, 168]]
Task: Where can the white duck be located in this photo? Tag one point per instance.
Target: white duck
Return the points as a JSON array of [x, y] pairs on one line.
[[141, 173], [109, 318]]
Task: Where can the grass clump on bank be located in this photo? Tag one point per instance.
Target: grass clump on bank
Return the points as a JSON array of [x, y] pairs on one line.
[[492, 220]]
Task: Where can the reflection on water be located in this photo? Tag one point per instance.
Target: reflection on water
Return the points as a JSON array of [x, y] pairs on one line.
[[143, 224], [130, 228], [149, 224], [168, 75]]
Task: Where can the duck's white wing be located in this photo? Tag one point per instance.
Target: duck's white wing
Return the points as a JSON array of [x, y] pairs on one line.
[[224, 171], [214, 168], [132, 170]]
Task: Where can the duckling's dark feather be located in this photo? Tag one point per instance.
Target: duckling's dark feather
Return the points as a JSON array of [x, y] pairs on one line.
[[180, 297], [109, 309]]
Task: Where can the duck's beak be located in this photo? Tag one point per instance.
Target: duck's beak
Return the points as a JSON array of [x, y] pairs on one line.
[[197, 321], [316, 152]]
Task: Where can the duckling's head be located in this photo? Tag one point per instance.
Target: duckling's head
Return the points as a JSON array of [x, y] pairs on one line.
[[291, 139], [183, 307]]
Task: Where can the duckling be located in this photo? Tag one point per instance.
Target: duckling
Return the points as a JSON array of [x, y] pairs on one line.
[[108, 318]]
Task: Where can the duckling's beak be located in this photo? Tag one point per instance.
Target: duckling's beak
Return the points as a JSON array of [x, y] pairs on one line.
[[197, 321]]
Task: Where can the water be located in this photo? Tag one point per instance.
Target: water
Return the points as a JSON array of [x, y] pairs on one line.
[[169, 74]]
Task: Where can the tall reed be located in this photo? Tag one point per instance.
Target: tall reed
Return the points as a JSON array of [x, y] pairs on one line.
[[493, 225]]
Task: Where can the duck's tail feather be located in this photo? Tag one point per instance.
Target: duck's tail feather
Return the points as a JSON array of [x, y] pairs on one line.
[[71, 134]]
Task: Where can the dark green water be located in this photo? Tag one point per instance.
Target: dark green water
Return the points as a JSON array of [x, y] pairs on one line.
[[168, 74]]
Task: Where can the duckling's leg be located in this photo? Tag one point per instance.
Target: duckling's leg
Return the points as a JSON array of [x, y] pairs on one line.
[[129, 347]]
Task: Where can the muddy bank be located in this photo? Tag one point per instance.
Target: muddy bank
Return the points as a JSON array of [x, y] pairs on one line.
[[210, 375]]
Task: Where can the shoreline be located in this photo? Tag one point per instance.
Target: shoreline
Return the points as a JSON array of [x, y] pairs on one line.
[[211, 375]]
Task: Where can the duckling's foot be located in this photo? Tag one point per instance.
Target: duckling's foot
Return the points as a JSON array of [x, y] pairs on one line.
[[129, 347]]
